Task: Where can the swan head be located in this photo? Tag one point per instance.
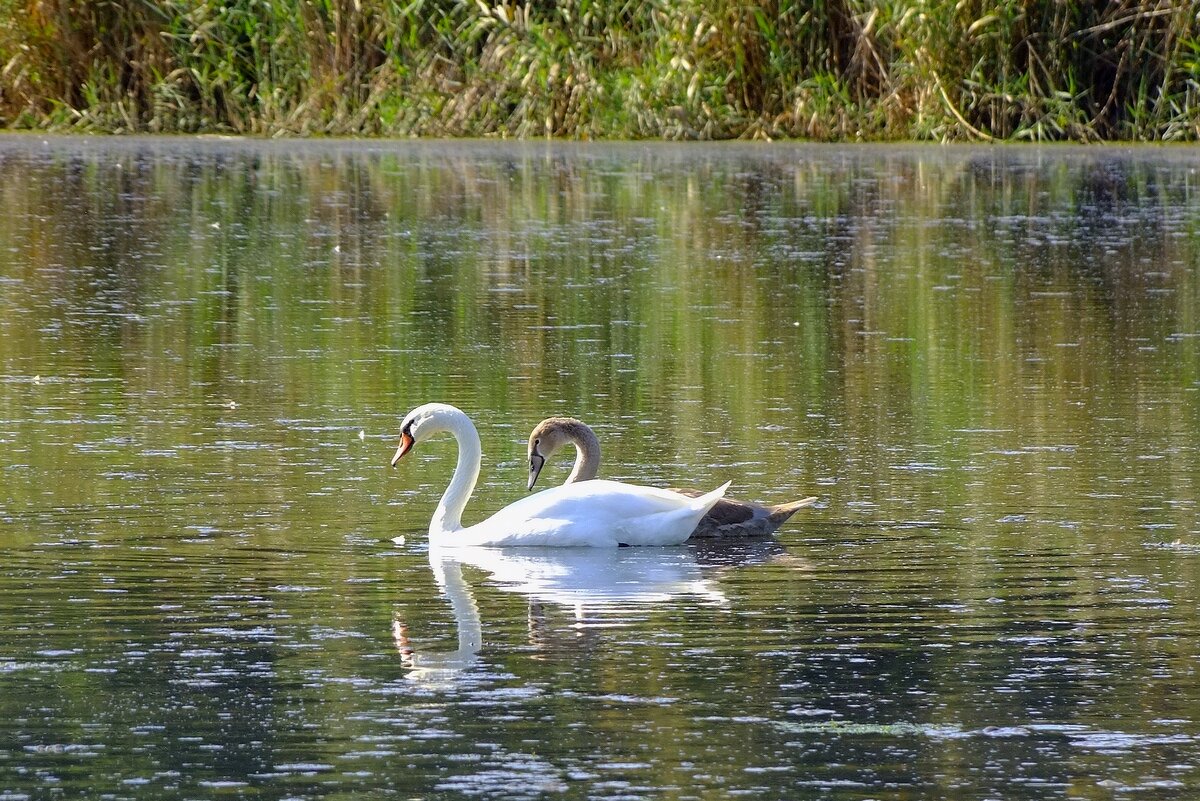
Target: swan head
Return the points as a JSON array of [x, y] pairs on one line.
[[550, 436], [423, 422]]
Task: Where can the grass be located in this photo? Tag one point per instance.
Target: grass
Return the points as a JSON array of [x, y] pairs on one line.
[[676, 69]]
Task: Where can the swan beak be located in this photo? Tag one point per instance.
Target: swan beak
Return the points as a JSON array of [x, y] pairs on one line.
[[536, 461], [406, 443]]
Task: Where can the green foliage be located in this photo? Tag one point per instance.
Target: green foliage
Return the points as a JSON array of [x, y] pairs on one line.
[[679, 69]]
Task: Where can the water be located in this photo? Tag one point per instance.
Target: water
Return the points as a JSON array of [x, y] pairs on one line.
[[984, 361]]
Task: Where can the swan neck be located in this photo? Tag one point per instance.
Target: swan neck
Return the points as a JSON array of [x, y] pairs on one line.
[[448, 516], [587, 455]]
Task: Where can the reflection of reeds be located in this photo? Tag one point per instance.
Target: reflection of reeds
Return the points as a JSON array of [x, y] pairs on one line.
[[712, 300], [840, 69]]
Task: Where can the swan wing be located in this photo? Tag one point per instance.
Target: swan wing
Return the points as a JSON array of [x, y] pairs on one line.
[[591, 513], [614, 498]]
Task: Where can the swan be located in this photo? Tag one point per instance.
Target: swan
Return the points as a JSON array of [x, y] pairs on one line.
[[726, 518], [591, 513]]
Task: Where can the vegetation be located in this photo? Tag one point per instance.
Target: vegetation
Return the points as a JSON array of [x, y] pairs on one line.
[[682, 69]]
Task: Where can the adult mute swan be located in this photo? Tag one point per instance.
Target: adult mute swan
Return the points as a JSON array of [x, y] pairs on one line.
[[591, 513], [726, 518]]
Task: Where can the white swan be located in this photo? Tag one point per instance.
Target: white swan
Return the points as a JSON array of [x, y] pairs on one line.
[[590, 513]]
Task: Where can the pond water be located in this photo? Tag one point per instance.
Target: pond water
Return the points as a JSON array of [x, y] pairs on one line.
[[984, 362]]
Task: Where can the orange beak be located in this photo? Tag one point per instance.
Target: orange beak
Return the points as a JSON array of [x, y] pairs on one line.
[[406, 443]]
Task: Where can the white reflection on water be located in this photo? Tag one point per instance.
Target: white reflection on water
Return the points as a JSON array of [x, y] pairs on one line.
[[596, 579], [591, 577], [438, 668]]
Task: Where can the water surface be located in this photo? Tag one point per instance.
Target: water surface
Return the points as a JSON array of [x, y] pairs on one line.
[[983, 361]]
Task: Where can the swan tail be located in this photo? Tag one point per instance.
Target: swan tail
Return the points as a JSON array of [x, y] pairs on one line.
[[780, 514], [709, 499], [674, 526]]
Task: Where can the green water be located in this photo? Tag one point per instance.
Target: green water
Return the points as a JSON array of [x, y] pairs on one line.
[[985, 362]]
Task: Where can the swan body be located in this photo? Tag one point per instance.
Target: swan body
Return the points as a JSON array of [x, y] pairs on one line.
[[726, 518], [592, 513]]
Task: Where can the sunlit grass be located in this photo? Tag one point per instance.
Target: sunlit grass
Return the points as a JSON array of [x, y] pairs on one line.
[[682, 69]]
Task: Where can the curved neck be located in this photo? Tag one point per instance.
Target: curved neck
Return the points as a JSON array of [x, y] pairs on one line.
[[448, 516], [587, 454]]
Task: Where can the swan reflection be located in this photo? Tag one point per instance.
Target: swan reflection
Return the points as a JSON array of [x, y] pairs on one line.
[[581, 579], [440, 667]]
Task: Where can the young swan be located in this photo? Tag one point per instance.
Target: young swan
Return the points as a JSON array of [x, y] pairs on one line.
[[727, 518]]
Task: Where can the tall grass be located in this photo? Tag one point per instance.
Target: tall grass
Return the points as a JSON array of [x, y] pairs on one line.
[[826, 69]]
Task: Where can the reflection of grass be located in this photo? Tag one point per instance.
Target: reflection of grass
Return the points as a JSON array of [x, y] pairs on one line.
[[813, 318], [678, 69]]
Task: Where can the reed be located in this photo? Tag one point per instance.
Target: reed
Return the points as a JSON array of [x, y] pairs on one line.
[[677, 69]]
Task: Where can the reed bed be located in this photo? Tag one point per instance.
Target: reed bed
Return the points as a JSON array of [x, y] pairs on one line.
[[676, 69]]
